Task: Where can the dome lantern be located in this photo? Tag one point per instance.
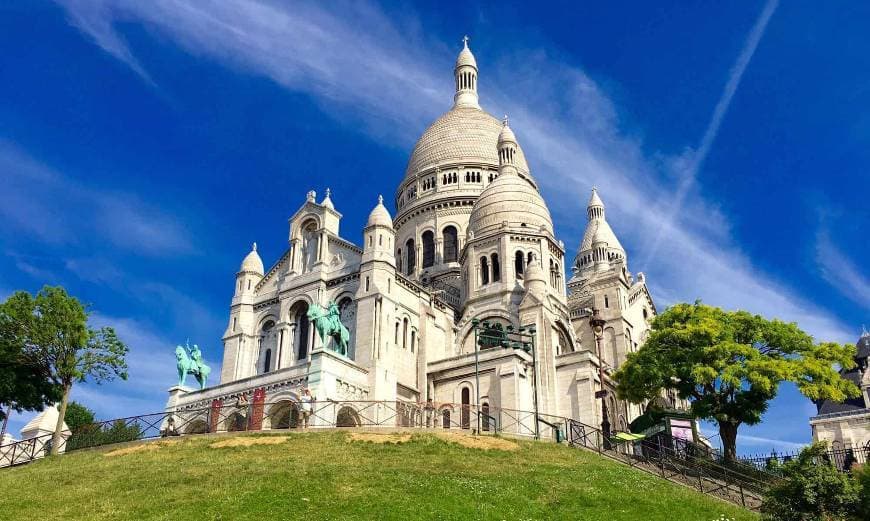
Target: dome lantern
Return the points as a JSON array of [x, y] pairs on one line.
[[465, 74]]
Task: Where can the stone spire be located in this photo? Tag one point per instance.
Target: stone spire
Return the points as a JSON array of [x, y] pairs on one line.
[[327, 201], [507, 149], [600, 246], [465, 74]]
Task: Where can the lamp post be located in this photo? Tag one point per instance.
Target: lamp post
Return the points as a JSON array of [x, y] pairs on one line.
[[475, 324], [597, 324]]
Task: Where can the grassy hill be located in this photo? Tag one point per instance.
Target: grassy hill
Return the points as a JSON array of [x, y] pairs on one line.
[[341, 475]]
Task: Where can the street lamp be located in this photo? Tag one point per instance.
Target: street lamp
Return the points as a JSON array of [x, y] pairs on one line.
[[597, 324]]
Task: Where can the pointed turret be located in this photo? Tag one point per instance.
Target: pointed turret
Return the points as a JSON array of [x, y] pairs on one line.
[[465, 73], [250, 272], [600, 246], [327, 201]]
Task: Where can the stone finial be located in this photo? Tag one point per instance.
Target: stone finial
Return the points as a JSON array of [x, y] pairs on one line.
[[380, 199], [505, 121], [254, 247], [312, 195], [465, 41]]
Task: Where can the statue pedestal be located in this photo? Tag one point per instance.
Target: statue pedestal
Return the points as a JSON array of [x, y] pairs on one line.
[[175, 393]]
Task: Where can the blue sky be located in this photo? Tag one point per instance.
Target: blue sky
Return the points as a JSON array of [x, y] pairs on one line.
[[145, 145]]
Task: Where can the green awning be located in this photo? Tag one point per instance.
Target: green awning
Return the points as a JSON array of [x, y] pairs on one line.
[[627, 436]]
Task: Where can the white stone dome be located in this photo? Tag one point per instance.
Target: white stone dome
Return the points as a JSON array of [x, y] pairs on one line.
[[462, 135], [511, 199], [252, 262], [380, 216]]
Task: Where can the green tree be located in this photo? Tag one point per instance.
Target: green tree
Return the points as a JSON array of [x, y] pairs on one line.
[[730, 364], [55, 334], [812, 488], [78, 416], [25, 384]]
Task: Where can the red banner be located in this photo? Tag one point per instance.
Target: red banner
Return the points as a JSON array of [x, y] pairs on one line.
[[214, 417], [257, 406]]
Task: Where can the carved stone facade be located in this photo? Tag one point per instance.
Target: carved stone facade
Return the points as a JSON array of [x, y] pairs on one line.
[[472, 239], [847, 424]]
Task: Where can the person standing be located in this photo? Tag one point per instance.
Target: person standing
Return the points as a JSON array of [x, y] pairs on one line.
[[307, 402]]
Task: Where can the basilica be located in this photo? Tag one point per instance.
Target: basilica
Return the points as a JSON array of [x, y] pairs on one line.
[[468, 247]]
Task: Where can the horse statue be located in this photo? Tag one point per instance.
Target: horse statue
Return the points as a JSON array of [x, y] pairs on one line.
[[328, 324], [190, 362]]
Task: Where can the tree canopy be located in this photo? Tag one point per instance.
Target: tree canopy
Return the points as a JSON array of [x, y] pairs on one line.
[[25, 382], [53, 333], [729, 364]]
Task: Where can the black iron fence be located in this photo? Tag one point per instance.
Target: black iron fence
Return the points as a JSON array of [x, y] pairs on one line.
[[671, 458], [842, 456]]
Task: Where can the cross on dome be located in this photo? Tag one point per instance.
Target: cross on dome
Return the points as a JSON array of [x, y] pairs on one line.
[[254, 247], [504, 121], [380, 199], [465, 41]]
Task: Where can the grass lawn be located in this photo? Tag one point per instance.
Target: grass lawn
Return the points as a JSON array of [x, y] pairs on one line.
[[331, 475]]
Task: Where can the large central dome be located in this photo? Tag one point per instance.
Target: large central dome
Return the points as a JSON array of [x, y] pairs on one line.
[[464, 135]]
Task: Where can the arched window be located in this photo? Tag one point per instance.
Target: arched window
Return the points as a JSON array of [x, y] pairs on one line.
[[410, 253], [465, 413], [347, 316], [484, 271], [531, 256], [413, 339], [428, 248], [519, 264], [396, 335], [268, 342], [445, 419], [451, 244], [484, 417], [299, 312], [405, 333], [496, 268]]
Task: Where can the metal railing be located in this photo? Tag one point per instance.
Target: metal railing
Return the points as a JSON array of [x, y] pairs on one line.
[[842, 457], [670, 458]]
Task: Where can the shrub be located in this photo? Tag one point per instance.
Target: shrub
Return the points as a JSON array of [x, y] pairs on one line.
[[812, 489]]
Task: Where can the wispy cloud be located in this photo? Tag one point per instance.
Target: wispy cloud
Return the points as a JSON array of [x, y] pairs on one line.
[[841, 272], [691, 165], [385, 74], [58, 210]]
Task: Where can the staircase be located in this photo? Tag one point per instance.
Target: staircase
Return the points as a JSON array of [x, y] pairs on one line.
[[679, 461]]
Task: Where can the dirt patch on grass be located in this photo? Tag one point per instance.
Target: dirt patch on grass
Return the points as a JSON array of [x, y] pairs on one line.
[[479, 442], [142, 447], [379, 438], [248, 441]]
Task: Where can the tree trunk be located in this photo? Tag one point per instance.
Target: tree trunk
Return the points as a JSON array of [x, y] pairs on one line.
[[58, 429], [728, 433]]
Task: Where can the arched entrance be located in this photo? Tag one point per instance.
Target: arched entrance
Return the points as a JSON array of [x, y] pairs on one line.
[[236, 422], [197, 426], [347, 417], [284, 415]]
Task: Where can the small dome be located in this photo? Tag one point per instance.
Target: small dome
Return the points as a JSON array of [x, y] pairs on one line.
[[380, 216], [42, 423], [465, 57], [252, 262], [511, 199], [327, 201], [506, 135]]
